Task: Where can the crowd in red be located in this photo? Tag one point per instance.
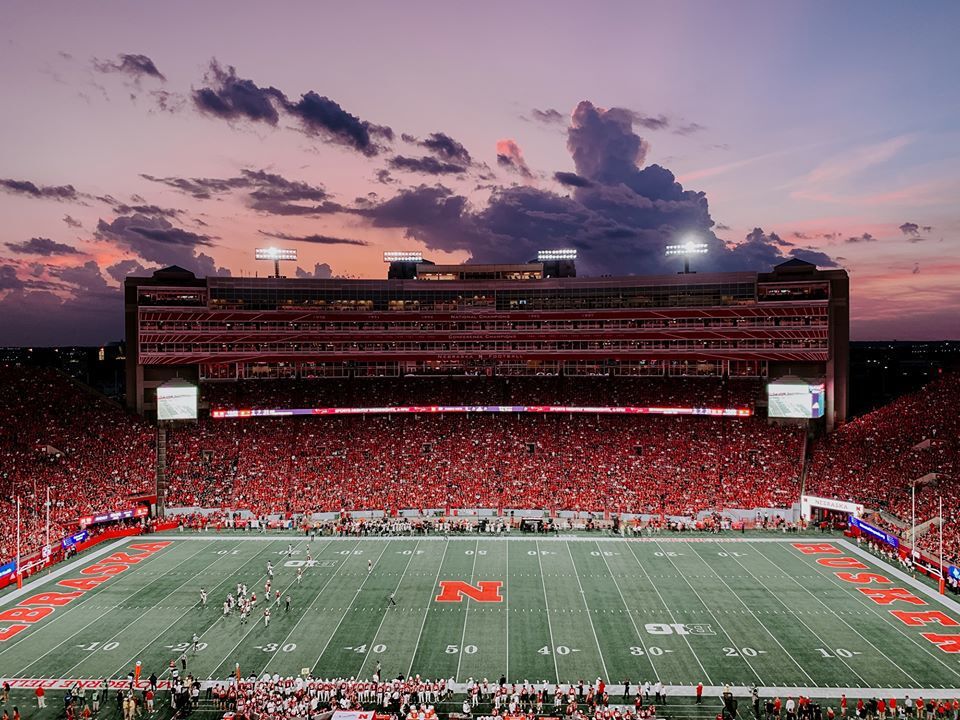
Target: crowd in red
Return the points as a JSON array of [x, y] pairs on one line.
[[92, 455], [95, 456], [648, 464], [877, 458]]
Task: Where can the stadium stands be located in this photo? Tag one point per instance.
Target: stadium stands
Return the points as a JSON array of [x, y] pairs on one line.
[[875, 459], [91, 453]]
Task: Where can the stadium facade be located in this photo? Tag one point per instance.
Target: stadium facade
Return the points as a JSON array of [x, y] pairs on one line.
[[528, 319]]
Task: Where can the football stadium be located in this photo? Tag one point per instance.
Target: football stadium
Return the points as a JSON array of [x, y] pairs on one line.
[[481, 490]]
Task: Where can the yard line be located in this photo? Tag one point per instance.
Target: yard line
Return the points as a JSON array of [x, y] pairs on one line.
[[345, 612], [191, 609], [633, 620], [583, 597], [463, 636], [254, 624], [310, 606], [507, 600], [112, 607], [386, 610], [863, 600], [553, 647], [754, 615], [670, 612], [814, 596], [426, 612]]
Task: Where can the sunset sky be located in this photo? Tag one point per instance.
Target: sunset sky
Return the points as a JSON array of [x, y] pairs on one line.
[[139, 135]]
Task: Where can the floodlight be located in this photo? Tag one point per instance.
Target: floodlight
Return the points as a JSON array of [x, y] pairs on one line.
[[276, 255], [411, 256], [548, 255], [690, 246]]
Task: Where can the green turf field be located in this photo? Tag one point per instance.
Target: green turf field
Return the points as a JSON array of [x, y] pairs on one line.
[[721, 612]]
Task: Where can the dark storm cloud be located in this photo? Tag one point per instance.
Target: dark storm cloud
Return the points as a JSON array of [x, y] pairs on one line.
[[42, 246], [571, 179], [427, 165], [549, 116], [230, 97], [156, 240], [136, 66], [864, 238], [315, 239], [446, 147], [322, 116], [72, 222], [618, 215], [124, 268], [821, 259], [321, 271], [49, 192]]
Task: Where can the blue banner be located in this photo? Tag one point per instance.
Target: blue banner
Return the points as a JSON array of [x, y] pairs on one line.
[[954, 572], [71, 540], [8, 570], [874, 532]]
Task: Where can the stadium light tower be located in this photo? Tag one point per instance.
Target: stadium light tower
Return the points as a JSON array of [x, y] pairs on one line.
[[689, 246], [276, 254]]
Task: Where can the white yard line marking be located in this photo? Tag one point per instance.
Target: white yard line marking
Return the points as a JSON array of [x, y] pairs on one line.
[[386, 610], [670, 613], [626, 607], [427, 611], [345, 612], [583, 598], [754, 616], [100, 615], [463, 635], [310, 606], [553, 646]]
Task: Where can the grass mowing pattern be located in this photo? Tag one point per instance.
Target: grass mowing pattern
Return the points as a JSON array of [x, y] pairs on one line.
[[572, 608]]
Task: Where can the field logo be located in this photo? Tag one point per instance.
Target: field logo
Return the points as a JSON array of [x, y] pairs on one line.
[[484, 591], [679, 629]]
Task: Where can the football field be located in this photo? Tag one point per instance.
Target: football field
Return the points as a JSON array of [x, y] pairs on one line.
[[719, 610]]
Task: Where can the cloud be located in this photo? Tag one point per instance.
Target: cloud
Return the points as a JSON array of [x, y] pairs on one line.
[[548, 116], [315, 239], [446, 147], [136, 66], [618, 215], [721, 227], [909, 228], [649, 122], [384, 177], [817, 257], [322, 116], [156, 240], [864, 238], [916, 269], [321, 271], [571, 179], [119, 271], [145, 209], [48, 192], [688, 129], [42, 246], [510, 156], [428, 165], [72, 222], [230, 97], [267, 192]]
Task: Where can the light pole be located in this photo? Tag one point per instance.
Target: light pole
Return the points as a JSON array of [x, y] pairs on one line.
[[690, 246], [276, 255]]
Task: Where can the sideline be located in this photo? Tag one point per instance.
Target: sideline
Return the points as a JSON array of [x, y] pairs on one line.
[[515, 536]]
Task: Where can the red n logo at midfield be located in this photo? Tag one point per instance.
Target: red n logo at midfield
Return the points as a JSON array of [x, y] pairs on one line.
[[485, 591]]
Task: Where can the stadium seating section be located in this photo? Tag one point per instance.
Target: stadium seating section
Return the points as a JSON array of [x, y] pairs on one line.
[[96, 456]]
